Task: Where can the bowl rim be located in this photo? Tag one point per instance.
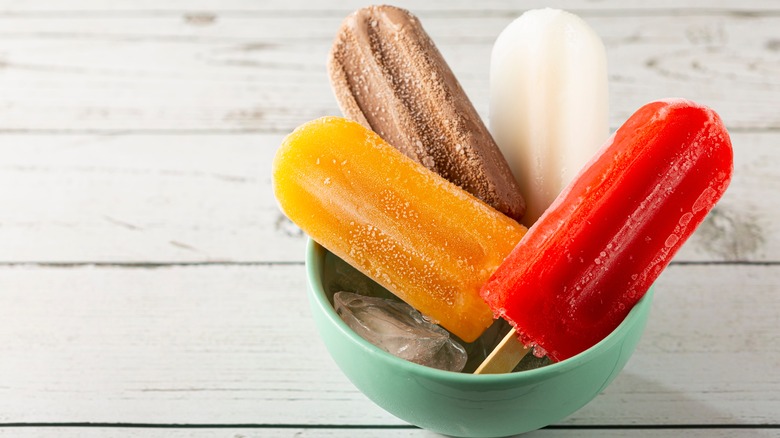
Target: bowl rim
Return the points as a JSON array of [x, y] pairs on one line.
[[315, 257]]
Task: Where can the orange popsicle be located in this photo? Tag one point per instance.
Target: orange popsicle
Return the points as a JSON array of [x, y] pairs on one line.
[[420, 236]]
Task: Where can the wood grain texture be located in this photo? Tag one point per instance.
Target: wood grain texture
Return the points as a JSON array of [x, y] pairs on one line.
[[209, 198], [236, 344], [189, 198], [161, 73], [148, 277]]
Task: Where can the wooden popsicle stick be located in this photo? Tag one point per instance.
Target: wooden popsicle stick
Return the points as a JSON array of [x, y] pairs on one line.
[[505, 357]]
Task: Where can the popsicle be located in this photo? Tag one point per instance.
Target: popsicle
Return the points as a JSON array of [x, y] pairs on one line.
[[598, 248], [387, 74], [423, 238], [548, 101]]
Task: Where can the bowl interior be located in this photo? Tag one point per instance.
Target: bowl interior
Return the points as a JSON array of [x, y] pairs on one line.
[[462, 404]]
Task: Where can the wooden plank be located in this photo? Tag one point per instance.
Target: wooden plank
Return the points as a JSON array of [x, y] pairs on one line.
[[190, 198], [207, 198], [91, 73], [221, 344], [235, 344], [150, 345]]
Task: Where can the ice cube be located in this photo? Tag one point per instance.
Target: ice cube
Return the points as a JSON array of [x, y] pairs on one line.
[[400, 330]]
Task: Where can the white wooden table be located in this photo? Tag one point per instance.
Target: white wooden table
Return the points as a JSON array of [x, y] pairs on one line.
[[149, 286]]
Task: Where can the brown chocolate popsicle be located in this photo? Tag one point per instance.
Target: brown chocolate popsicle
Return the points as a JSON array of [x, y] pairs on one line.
[[388, 75]]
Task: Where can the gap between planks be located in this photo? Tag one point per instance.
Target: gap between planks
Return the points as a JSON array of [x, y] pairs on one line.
[[155, 265], [253, 131]]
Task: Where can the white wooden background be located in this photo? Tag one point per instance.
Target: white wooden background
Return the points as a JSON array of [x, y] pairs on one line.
[[149, 286]]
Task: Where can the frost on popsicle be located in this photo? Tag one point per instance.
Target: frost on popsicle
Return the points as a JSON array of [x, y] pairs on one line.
[[388, 75], [599, 247], [424, 239], [400, 330]]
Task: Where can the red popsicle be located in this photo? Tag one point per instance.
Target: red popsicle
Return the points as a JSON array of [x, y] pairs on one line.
[[598, 248]]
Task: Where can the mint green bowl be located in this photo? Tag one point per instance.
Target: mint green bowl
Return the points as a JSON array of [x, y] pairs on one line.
[[465, 404]]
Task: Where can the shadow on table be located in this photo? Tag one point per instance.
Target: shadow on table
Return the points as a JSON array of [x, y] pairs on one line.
[[629, 403], [633, 401]]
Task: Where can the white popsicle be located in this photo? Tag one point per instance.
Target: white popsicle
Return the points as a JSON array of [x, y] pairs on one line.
[[548, 101]]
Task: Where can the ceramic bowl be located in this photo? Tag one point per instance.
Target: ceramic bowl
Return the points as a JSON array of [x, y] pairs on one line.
[[459, 404]]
